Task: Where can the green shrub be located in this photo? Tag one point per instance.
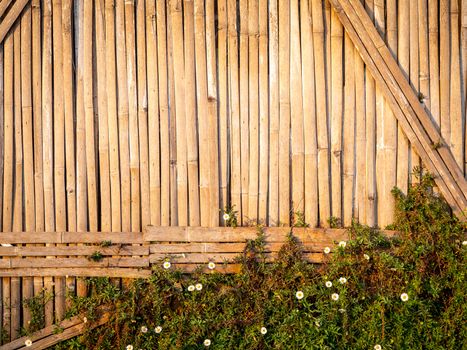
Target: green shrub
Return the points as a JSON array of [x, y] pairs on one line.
[[426, 262]]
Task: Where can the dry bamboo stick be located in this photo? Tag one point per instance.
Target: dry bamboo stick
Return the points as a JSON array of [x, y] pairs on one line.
[[202, 100], [122, 116], [153, 113], [234, 108], [111, 93], [296, 113], [2, 116], [284, 112], [337, 109], [11, 17], [433, 38], [263, 112], [163, 110], [142, 112], [424, 65], [4, 4], [133, 114], [179, 72], [253, 90], [223, 103], [327, 68], [414, 74], [190, 109], [103, 127], [244, 108], [455, 98], [464, 72], [444, 74], [321, 114], [28, 175], [273, 217], [309, 116]]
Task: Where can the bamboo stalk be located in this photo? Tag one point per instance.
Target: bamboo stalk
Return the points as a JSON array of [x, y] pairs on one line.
[[321, 114], [2, 118], [284, 112], [433, 38], [414, 74], [153, 113], [11, 17], [190, 109], [164, 109], [273, 217], [263, 112], [424, 65], [4, 4], [111, 93], [464, 72], [444, 74]]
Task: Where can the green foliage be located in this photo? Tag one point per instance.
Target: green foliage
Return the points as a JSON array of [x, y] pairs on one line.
[[334, 222], [369, 275], [230, 216], [96, 256], [36, 305], [299, 219], [106, 243]]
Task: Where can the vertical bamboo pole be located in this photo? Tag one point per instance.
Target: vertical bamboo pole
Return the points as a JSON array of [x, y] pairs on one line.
[[414, 74], [253, 17], [433, 39], [133, 114], [296, 112], [464, 73], [8, 170], [244, 108], [327, 68], [273, 217], [202, 100], [423, 52], [321, 114], [190, 109], [263, 112], [455, 107], [153, 113], [212, 112], [26, 110], [164, 109], [143, 112], [103, 126], [47, 129], [2, 118], [309, 116], [348, 162], [445, 65], [111, 92], [336, 90], [284, 112], [123, 107], [403, 53], [234, 107]]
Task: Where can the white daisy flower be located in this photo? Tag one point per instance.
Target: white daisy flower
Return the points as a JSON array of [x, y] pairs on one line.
[[317, 324], [343, 280], [191, 288], [158, 329], [464, 243], [207, 342], [327, 250], [85, 319], [341, 311], [377, 347], [226, 216], [299, 295], [335, 296], [129, 347], [167, 265], [263, 330], [144, 329], [199, 286], [28, 342], [342, 244], [366, 256], [404, 297], [211, 265], [328, 284]]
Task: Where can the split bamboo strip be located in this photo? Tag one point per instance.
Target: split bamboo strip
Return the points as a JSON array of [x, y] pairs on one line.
[[4, 4], [133, 114], [244, 108], [223, 102], [263, 113], [153, 116], [284, 112], [424, 65], [337, 109], [179, 72], [111, 93], [253, 109], [321, 114], [444, 73], [455, 98], [433, 39], [297, 142], [122, 84], [309, 116], [273, 210], [47, 129], [190, 109], [234, 108], [28, 174], [327, 68], [212, 113], [143, 111], [414, 74], [164, 111], [103, 126], [464, 73], [11, 17], [2, 115], [202, 100]]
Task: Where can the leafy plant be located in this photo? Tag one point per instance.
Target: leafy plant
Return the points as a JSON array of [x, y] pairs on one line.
[[96, 256]]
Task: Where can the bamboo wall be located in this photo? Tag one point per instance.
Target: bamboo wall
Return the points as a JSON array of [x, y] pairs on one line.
[[116, 114]]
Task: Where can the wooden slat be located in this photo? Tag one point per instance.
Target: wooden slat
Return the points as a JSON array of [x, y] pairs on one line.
[[72, 251], [11, 17], [4, 6], [77, 272], [25, 263], [70, 237]]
